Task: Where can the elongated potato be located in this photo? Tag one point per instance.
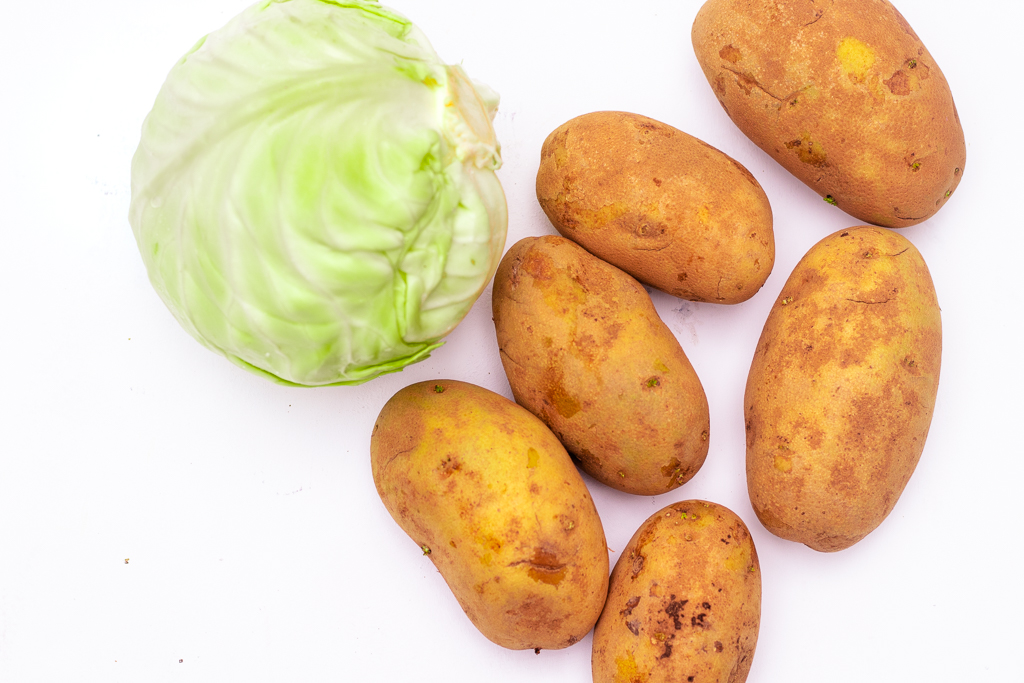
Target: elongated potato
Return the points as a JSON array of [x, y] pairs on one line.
[[844, 95], [842, 388], [667, 208], [684, 603], [488, 492], [585, 351]]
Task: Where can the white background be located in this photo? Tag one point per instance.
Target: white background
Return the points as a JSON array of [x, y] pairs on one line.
[[166, 516]]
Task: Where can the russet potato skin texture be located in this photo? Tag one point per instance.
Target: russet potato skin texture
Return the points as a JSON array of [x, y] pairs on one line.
[[667, 208], [684, 603], [842, 388], [844, 95], [486, 490], [585, 351]]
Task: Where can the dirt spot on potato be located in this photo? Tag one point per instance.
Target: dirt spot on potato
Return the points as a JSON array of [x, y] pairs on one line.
[[590, 461], [720, 88], [746, 83], [538, 265], [563, 402], [899, 83], [638, 565], [450, 466], [674, 610], [544, 567], [730, 54], [630, 605], [671, 469], [809, 151], [843, 477]]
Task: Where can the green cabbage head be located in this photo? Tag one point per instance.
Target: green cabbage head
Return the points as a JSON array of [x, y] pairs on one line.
[[314, 193]]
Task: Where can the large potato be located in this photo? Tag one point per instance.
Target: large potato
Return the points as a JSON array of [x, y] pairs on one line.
[[844, 95], [684, 602], [488, 492], [585, 351], [670, 210], [841, 389]]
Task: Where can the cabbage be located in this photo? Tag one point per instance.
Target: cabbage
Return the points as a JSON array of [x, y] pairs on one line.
[[314, 194]]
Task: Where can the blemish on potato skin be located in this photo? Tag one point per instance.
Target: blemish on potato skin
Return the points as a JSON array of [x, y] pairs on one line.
[[899, 83], [564, 403], [730, 54], [544, 567], [638, 565], [672, 468], [808, 151]]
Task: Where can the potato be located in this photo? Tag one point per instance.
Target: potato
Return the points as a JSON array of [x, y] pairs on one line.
[[684, 602], [841, 389], [844, 95], [670, 210], [488, 492], [585, 351]]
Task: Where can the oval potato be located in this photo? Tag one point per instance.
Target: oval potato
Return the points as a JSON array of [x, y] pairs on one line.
[[684, 603], [844, 95], [585, 351], [488, 492], [667, 208], [842, 388]]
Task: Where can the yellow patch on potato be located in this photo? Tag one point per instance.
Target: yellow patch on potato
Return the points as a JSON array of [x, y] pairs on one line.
[[684, 601], [489, 494], [856, 58], [585, 351], [841, 389], [844, 95]]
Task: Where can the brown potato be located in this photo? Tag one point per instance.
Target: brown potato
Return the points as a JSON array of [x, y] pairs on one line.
[[585, 351], [488, 492], [841, 389], [684, 602], [844, 95], [670, 210]]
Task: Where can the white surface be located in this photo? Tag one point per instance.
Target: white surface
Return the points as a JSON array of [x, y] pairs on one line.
[[166, 516]]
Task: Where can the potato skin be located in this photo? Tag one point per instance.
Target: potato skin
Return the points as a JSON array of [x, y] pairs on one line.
[[684, 602], [488, 492], [842, 388], [667, 208], [585, 351], [844, 95]]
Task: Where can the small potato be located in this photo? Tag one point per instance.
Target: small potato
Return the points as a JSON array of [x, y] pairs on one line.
[[841, 389], [585, 351], [488, 492], [670, 210], [684, 602], [844, 95]]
